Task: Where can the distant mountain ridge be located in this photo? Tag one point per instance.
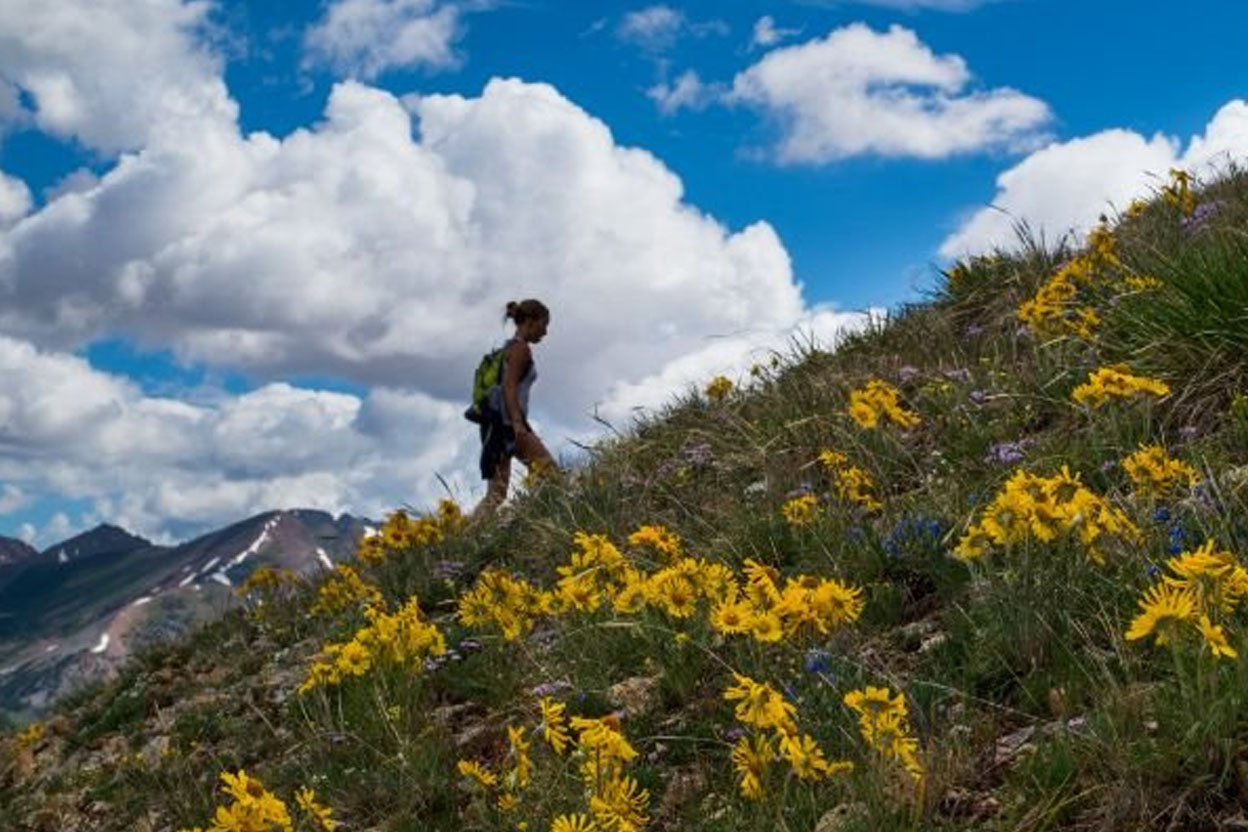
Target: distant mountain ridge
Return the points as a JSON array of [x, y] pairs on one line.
[[103, 539], [13, 551], [73, 612]]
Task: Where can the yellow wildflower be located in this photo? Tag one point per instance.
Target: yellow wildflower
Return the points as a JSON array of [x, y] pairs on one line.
[[767, 627], [879, 400], [573, 823], [1164, 609], [521, 763], [31, 736], [719, 388], [602, 748], [660, 538], [1215, 638], [731, 617], [1155, 473], [477, 773], [760, 705], [344, 589], [620, 805], [1179, 192], [322, 816], [761, 583], [254, 809], [973, 545], [752, 757], [800, 511], [804, 756], [554, 727], [1217, 580], [355, 659], [1116, 382], [884, 725]]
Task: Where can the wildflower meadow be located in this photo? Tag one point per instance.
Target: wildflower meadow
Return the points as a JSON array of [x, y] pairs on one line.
[[981, 566]]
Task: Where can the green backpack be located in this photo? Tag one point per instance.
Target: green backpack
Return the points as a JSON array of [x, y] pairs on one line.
[[489, 375]]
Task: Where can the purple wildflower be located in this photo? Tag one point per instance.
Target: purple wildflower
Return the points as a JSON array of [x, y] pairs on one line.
[[699, 455], [979, 396], [1008, 453], [1188, 432], [551, 688], [907, 373], [974, 331], [801, 491], [668, 468], [959, 374], [1200, 218], [448, 570]]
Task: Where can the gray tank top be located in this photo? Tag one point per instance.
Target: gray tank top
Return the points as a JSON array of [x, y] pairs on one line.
[[522, 390]]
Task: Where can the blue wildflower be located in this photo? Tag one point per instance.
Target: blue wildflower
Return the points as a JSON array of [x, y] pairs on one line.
[[1178, 539], [914, 535], [816, 660], [1161, 515]]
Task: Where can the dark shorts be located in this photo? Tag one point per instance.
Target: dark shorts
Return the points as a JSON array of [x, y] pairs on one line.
[[498, 442]]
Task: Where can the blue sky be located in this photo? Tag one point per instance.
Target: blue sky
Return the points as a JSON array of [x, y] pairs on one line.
[[864, 203]]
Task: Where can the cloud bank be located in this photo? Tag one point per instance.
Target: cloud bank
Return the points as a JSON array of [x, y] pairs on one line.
[[1065, 187]]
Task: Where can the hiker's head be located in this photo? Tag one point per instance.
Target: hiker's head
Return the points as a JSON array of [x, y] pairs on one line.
[[531, 317]]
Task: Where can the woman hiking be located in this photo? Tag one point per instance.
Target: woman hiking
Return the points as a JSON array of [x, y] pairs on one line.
[[505, 432]]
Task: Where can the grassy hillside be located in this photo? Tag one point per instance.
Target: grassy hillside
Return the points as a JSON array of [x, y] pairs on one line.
[[979, 568]]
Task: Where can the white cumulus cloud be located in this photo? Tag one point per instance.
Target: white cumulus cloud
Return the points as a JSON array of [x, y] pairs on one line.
[[364, 38], [1065, 187], [113, 74], [657, 28], [687, 92], [766, 34], [861, 92]]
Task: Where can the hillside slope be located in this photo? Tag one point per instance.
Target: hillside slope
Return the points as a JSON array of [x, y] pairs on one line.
[[982, 567]]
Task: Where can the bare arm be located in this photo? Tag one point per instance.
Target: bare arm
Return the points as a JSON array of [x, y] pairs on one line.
[[518, 359]]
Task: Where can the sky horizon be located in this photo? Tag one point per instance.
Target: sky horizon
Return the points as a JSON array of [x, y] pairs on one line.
[[250, 254]]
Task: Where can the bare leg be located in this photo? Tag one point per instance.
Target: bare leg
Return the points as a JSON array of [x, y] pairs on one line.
[[533, 454], [495, 493]]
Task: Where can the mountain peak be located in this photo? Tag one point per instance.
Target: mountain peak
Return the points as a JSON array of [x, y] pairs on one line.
[[13, 550], [103, 539]]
